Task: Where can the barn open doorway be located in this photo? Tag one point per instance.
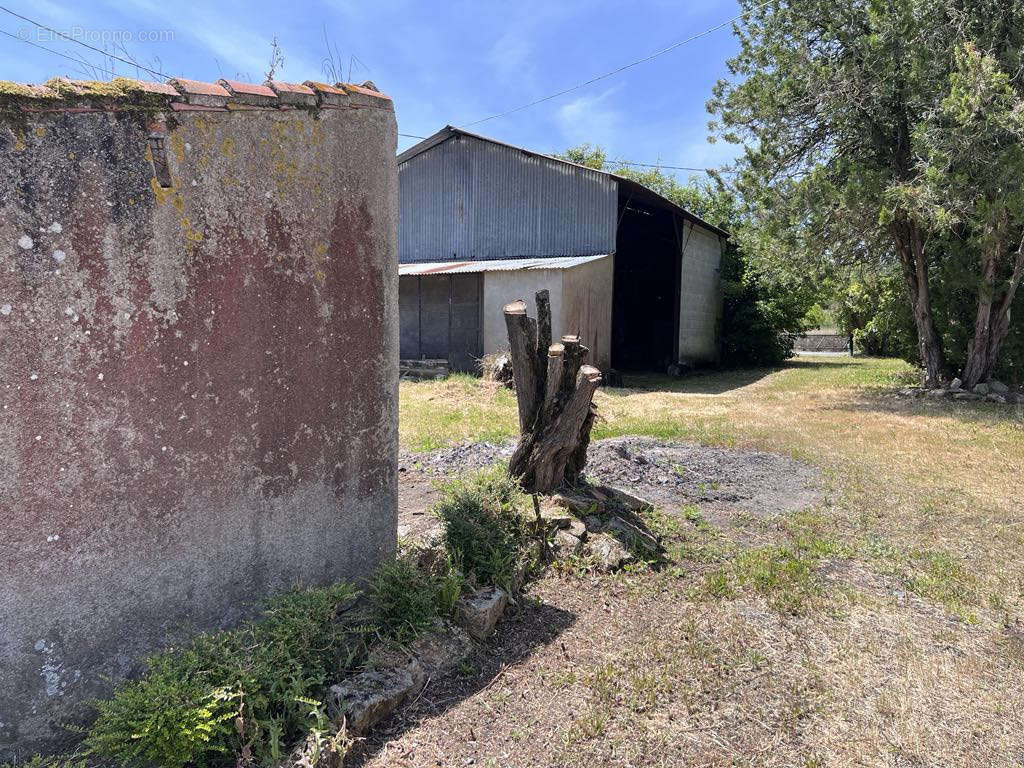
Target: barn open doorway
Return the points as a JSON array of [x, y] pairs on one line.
[[645, 305]]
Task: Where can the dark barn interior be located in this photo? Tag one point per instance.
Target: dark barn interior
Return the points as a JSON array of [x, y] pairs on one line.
[[645, 305]]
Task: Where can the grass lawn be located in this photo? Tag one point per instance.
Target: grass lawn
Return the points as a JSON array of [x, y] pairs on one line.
[[882, 627]]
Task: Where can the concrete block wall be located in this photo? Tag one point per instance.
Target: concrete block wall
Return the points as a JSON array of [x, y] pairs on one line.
[[700, 299], [198, 368]]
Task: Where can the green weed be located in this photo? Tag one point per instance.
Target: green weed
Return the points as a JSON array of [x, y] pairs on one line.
[[239, 693], [486, 531], [407, 595]]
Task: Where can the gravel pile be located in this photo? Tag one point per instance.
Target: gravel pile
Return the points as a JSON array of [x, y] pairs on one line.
[[669, 474]]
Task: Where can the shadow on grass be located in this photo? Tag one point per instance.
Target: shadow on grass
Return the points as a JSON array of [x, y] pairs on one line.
[[522, 632], [720, 382], [967, 412]]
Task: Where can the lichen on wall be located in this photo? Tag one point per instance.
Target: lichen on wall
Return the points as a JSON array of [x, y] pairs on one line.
[[198, 377]]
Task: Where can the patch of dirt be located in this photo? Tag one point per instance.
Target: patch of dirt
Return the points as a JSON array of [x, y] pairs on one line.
[[725, 483], [722, 480]]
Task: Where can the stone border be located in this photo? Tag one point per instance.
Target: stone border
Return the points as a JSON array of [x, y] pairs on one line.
[[992, 392]]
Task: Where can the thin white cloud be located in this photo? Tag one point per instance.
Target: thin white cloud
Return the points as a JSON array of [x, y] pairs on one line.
[[241, 53], [590, 118]]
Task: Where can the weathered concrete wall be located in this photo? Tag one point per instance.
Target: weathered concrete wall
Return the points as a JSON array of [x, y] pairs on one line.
[[198, 382], [587, 307], [581, 302], [506, 286], [700, 298]]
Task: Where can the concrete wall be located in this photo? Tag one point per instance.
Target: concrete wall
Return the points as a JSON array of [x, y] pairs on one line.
[[587, 307], [505, 286], [700, 299], [198, 382], [580, 303]]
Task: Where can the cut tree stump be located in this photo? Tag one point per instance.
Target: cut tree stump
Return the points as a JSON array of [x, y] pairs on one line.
[[554, 392]]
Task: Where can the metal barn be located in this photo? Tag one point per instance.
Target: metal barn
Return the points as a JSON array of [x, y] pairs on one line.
[[482, 223]]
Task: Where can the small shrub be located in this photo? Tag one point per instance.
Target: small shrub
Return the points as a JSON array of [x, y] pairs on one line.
[[485, 530], [241, 692], [407, 596]]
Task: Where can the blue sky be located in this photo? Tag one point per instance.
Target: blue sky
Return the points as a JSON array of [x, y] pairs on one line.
[[442, 63]]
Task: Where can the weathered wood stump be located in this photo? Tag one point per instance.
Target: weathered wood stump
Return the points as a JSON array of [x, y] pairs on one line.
[[554, 392]]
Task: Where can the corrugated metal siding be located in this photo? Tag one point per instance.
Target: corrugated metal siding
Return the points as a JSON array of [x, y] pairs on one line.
[[469, 199]]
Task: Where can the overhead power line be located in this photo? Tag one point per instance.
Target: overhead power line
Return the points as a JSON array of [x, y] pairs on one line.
[[79, 42], [623, 68], [57, 53], [592, 80], [669, 167]]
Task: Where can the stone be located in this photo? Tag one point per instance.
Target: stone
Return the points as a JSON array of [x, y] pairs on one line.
[[956, 384], [577, 504], [593, 523], [997, 387], [555, 516], [626, 499], [479, 613], [910, 392], [936, 393], [609, 552], [367, 698], [969, 396], [441, 650], [578, 529], [980, 389], [567, 544], [992, 397], [633, 536]]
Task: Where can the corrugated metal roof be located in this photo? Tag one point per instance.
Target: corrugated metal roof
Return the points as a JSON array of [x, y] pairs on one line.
[[495, 265], [634, 187]]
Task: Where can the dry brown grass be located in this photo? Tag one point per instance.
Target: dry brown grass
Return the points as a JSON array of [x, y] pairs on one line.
[[884, 628]]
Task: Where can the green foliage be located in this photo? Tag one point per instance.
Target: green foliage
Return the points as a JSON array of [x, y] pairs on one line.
[[761, 313], [48, 761], [241, 692], [408, 595], [886, 136], [584, 154], [872, 306], [485, 530]]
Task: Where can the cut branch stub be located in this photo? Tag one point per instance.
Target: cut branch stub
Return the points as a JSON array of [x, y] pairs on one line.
[[522, 339], [554, 392]]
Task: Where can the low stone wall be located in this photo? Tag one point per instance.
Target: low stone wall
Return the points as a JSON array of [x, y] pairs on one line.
[[198, 368]]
